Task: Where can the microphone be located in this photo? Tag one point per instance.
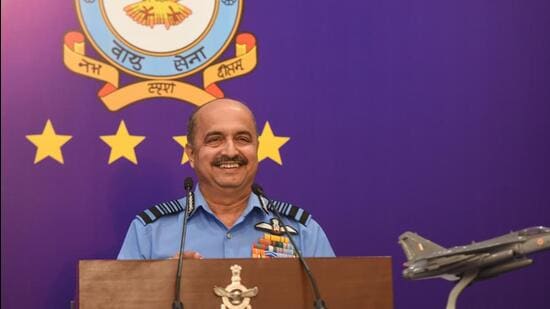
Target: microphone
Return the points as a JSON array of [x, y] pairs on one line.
[[190, 204], [318, 303]]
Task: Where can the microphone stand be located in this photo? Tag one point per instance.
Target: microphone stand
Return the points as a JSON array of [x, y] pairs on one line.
[[188, 185], [318, 303]]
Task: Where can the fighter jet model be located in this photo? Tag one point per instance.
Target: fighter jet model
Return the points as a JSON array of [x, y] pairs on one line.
[[476, 261]]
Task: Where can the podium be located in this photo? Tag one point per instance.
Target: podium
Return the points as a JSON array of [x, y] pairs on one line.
[[346, 282]]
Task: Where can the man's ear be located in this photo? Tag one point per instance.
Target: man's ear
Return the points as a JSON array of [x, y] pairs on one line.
[[189, 151]]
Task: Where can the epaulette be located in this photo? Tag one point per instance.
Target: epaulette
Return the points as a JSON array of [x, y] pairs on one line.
[[160, 210], [291, 211]]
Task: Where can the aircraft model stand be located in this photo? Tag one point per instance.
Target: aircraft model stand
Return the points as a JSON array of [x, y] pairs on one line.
[[459, 287], [476, 261]]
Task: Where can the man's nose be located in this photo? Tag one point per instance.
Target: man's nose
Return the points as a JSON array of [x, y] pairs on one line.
[[230, 148]]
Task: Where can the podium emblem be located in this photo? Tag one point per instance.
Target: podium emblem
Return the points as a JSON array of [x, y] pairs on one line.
[[236, 295]]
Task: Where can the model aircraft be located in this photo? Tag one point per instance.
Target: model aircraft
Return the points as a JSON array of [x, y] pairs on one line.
[[475, 261]]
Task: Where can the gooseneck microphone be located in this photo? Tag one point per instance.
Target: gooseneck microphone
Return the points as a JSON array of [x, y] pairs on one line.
[[190, 204], [318, 303]]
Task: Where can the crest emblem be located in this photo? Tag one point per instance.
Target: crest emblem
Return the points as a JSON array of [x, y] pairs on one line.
[[160, 41], [153, 12], [236, 295]]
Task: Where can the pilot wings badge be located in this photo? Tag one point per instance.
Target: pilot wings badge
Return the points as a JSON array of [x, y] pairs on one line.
[[275, 228], [235, 295], [159, 41]]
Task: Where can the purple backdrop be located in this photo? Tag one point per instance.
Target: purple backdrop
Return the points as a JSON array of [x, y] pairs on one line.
[[432, 116]]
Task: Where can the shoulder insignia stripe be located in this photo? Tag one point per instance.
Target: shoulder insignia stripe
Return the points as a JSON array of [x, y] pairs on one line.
[[291, 211], [171, 206], [162, 209], [288, 210], [155, 211], [145, 219], [305, 216], [177, 204], [281, 207], [166, 208]]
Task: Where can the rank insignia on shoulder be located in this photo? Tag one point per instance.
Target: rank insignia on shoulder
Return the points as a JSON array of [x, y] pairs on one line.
[[276, 227], [291, 211], [160, 210], [285, 209]]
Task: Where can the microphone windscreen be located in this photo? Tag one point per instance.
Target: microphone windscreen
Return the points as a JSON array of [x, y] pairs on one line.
[[188, 183], [257, 189]]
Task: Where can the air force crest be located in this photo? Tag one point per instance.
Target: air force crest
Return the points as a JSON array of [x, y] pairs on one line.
[[160, 41], [235, 295]]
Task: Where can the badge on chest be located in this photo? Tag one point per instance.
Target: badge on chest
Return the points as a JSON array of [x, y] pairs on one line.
[[273, 244], [276, 227]]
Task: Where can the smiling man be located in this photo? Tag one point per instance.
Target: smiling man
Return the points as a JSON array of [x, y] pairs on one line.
[[228, 220]]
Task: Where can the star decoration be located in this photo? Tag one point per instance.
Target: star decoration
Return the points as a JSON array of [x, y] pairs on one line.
[[48, 144], [270, 144], [182, 140], [122, 144]]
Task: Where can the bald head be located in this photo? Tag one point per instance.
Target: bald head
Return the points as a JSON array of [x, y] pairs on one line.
[[216, 106]]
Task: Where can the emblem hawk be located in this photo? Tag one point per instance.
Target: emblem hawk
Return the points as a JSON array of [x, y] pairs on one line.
[[158, 12], [236, 296]]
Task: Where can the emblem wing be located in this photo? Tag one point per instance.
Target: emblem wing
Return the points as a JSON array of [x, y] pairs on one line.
[[221, 292], [265, 226], [250, 292], [157, 12], [290, 229]]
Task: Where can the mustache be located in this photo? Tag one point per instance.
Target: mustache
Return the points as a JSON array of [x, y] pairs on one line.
[[227, 159]]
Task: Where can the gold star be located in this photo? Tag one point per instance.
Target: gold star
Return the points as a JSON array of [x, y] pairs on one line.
[[270, 144], [122, 144], [182, 140], [48, 144]]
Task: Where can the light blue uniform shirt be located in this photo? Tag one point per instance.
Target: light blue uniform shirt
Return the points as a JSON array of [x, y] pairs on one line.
[[208, 236]]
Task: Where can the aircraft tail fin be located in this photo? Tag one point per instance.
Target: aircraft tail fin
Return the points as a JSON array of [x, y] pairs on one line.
[[415, 245]]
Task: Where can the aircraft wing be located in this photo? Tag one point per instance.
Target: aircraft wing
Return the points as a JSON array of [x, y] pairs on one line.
[[475, 248], [438, 262]]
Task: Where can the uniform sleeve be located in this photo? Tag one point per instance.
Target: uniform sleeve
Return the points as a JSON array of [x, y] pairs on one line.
[[316, 243], [137, 243]]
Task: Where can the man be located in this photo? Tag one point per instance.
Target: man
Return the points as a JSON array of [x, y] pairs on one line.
[[228, 220]]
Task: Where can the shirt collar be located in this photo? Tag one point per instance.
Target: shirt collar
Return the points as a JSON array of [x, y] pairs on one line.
[[253, 202]]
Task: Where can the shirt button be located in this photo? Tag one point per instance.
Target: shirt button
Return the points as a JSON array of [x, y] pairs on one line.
[[228, 235]]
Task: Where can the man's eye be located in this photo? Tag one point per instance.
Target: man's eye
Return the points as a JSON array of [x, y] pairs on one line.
[[213, 140], [243, 139]]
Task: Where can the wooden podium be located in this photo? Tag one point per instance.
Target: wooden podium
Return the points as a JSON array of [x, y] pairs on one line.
[[350, 282]]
